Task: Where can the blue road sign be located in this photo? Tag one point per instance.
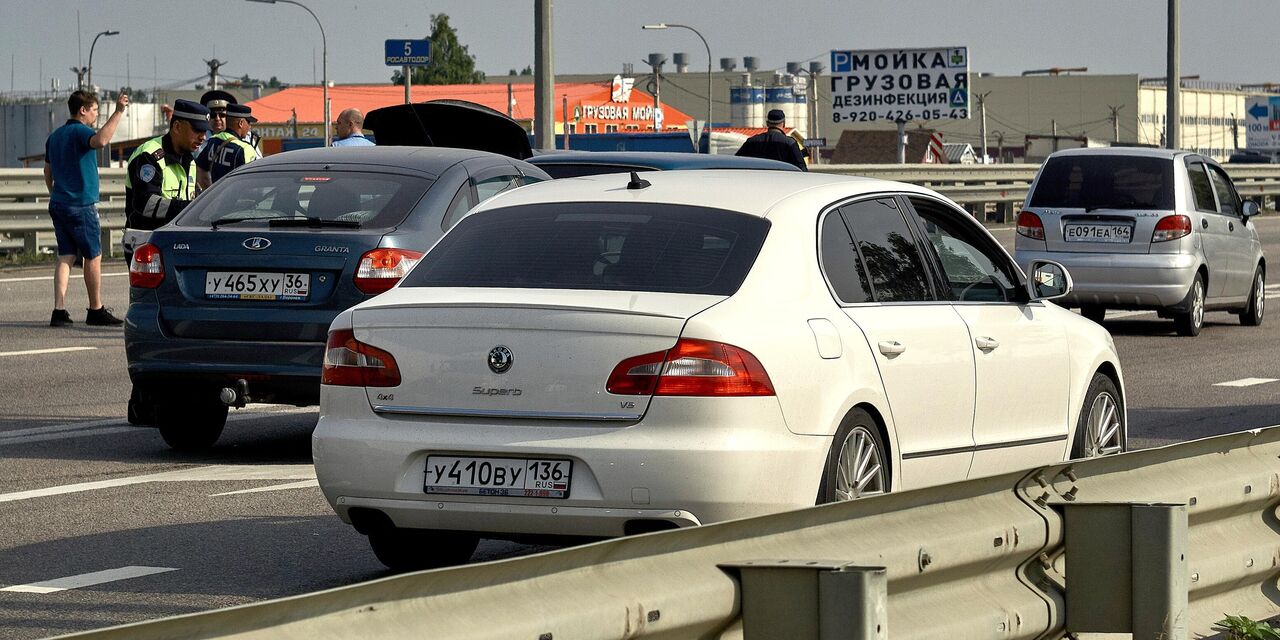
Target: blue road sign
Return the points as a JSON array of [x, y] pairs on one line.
[[411, 53]]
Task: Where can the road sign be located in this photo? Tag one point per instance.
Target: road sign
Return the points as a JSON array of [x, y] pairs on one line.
[[815, 142], [408, 53], [1262, 122], [899, 84]]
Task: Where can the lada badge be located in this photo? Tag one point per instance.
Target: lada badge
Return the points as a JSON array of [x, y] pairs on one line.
[[256, 243]]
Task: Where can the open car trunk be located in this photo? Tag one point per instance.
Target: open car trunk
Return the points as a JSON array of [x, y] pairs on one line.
[[449, 123]]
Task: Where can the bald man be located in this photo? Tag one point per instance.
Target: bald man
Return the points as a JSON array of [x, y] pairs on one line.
[[349, 129]]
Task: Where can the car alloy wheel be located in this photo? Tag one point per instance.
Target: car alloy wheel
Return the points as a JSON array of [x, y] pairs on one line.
[[1252, 315], [1191, 321], [1105, 433], [860, 471]]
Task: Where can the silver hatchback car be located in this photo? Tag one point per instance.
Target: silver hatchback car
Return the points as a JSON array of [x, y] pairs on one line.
[[1145, 229]]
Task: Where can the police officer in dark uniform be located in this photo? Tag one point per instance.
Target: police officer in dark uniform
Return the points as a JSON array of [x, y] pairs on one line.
[[160, 180], [774, 144], [231, 148], [217, 101]]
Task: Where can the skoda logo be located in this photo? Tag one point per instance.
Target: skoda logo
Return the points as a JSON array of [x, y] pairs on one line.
[[500, 359], [256, 243]]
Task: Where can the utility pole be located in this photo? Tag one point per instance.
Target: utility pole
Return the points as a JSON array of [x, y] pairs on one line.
[[902, 141], [1055, 135], [1000, 146], [1173, 84], [1115, 122], [1235, 132], [982, 110], [214, 65], [564, 104], [544, 78]]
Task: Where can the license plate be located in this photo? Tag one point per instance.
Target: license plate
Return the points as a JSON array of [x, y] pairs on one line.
[[239, 285], [510, 477], [1117, 233]]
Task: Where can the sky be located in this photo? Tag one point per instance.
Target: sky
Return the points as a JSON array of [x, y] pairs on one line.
[[164, 42]]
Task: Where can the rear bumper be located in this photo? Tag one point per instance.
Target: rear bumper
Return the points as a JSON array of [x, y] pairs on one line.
[[1131, 281], [168, 367], [723, 459]]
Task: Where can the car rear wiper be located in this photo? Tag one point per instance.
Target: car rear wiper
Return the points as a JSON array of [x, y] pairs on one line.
[[218, 223], [1100, 207], [313, 222]]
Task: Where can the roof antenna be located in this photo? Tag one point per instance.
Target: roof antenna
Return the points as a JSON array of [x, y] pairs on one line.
[[636, 182]]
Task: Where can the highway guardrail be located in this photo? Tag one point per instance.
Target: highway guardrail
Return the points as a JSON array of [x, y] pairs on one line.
[[1159, 543]]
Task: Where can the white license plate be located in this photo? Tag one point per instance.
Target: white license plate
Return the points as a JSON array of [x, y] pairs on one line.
[[240, 285], [518, 477], [1098, 233]]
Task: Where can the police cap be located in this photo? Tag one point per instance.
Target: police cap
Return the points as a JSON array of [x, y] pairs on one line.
[[241, 111], [217, 99], [195, 113]]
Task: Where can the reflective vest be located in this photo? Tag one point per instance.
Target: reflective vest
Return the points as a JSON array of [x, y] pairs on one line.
[[176, 181]]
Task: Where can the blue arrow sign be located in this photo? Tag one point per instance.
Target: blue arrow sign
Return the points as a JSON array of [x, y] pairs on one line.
[[1259, 110], [410, 53]]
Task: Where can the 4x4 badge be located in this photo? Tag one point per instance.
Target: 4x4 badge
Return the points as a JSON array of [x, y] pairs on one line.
[[256, 243]]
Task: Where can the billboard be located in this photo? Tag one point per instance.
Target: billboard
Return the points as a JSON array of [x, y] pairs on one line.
[[899, 84], [1262, 122]]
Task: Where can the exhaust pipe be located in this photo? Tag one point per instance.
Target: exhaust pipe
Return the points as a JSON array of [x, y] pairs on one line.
[[235, 396]]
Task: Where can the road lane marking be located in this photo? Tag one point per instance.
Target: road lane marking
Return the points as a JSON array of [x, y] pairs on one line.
[[197, 474], [50, 278], [33, 352], [1245, 382], [88, 579], [305, 484], [115, 425]]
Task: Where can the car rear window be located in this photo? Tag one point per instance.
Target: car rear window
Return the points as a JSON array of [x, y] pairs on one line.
[[1105, 182], [606, 246], [579, 169], [369, 199]]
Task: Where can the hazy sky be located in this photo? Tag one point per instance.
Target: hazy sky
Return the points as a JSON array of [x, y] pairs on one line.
[[166, 41]]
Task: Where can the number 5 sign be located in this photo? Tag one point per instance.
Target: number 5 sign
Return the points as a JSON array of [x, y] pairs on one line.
[[408, 53]]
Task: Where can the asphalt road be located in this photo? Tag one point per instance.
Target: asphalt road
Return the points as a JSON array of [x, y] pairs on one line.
[[103, 524]]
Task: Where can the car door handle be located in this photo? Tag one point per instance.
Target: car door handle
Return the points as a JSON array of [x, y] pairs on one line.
[[892, 348], [1204, 223], [986, 344], [1231, 226]]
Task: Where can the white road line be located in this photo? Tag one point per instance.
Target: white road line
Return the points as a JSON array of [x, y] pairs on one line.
[[49, 278], [71, 434], [197, 474], [1245, 382], [33, 352], [87, 579], [114, 425], [305, 484]]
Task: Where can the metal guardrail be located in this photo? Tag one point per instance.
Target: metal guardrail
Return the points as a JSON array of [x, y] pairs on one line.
[[1160, 543], [1001, 187]]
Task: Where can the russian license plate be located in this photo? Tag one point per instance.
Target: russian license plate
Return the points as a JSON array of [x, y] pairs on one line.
[[239, 285], [518, 477], [1118, 233]]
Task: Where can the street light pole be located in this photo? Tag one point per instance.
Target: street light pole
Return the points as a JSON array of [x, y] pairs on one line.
[[324, 65], [95, 43], [708, 47]]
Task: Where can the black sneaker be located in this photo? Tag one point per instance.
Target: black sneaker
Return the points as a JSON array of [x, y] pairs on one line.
[[60, 318], [102, 317]]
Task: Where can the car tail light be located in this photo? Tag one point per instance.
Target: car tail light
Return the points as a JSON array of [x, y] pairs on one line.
[[351, 363], [692, 368], [146, 269], [1029, 225], [1171, 228], [381, 269]]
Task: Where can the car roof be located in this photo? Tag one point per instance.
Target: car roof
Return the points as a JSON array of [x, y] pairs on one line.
[[1145, 152], [745, 191], [434, 160], [664, 161]]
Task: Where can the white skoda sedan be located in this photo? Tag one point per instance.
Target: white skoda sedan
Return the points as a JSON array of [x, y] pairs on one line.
[[611, 355]]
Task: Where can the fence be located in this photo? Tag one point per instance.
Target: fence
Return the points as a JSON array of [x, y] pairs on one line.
[[1161, 543], [990, 192]]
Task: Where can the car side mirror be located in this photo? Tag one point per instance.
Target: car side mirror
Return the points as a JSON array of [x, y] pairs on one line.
[[1049, 280], [1251, 209]]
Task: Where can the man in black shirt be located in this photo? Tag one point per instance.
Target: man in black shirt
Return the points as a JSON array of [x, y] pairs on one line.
[[774, 144]]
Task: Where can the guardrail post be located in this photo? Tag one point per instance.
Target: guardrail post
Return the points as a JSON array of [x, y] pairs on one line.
[[29, 242], [1126, 569], [812, 600]]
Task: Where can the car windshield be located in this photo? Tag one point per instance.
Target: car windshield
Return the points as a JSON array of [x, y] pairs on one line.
[[1105, 182], [608, 246], [314, 198]]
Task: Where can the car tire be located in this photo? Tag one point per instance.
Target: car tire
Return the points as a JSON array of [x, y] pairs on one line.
[[1190, 321], [1252, 314], [1094, 312], [404, 550], [191, 428], [857, 465], [1101, 428]]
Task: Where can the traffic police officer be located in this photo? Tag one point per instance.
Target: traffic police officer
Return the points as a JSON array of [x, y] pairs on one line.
[[160, 180], [229, 149], [217, 101]]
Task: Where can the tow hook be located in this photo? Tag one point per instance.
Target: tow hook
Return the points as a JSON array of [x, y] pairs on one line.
[[235, 396]]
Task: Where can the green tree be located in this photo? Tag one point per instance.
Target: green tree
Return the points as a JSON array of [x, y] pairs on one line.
[[526, 71], [450, 61]]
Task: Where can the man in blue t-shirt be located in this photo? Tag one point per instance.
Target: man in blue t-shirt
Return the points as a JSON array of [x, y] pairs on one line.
[[71, 175], [349, 129]]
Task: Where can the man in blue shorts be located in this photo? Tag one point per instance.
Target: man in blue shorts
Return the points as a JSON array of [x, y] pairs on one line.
[[71, 175]]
